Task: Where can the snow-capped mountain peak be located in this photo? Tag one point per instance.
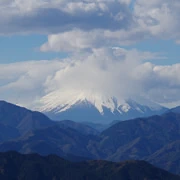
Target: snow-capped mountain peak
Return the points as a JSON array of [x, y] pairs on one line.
[[95, 106], [57, 102]]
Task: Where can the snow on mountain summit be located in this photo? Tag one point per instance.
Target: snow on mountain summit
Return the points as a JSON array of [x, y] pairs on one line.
[[59, 102], [91, 106]]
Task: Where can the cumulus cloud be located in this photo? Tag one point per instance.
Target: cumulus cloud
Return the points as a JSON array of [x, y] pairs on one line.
[[41, 16], [159, 17], [95, 28], [162, 83], [109, 72], [77, 39], [23, 82]]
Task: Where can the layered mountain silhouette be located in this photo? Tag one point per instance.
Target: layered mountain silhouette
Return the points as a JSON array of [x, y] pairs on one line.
[[14, 166], [154, 139]]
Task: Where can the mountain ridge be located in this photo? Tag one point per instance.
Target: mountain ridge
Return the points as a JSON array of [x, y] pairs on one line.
[[140, 138], [21, 118], [15, 166], [102, 111]]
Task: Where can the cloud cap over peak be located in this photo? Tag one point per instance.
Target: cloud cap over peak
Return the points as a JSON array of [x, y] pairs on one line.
[[110, 72]]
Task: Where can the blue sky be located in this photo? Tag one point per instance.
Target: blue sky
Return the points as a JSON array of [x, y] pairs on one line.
[[167, 47], [47, 46], [17, 48]]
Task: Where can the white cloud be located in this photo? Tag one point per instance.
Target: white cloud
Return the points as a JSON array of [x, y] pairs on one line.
[[113, 72], [19, 16], [156, 18], [60, 18], [159, 17], [77, 39], [178, 41], [91, 27], [23, 82], [161, 83]]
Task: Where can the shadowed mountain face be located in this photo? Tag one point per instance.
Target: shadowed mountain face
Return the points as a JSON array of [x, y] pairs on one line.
[[8, 132], [22, 119], [142, 138], [52, 140], [155, 139], [167, 157], [145, 135], [176, 109], [82, 128], [14, 166]]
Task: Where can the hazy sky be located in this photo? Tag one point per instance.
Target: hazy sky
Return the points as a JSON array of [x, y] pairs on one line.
[[117, 48]]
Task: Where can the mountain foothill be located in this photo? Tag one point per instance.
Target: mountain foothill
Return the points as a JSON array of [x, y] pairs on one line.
[[124, 149]]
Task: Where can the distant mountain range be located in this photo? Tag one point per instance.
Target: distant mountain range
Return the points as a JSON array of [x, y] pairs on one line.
[[14, 166], [98, 109], [154, 139], [175, 110]]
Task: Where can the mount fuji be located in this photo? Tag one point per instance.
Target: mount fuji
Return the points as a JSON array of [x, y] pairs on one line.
[[93, 107]]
